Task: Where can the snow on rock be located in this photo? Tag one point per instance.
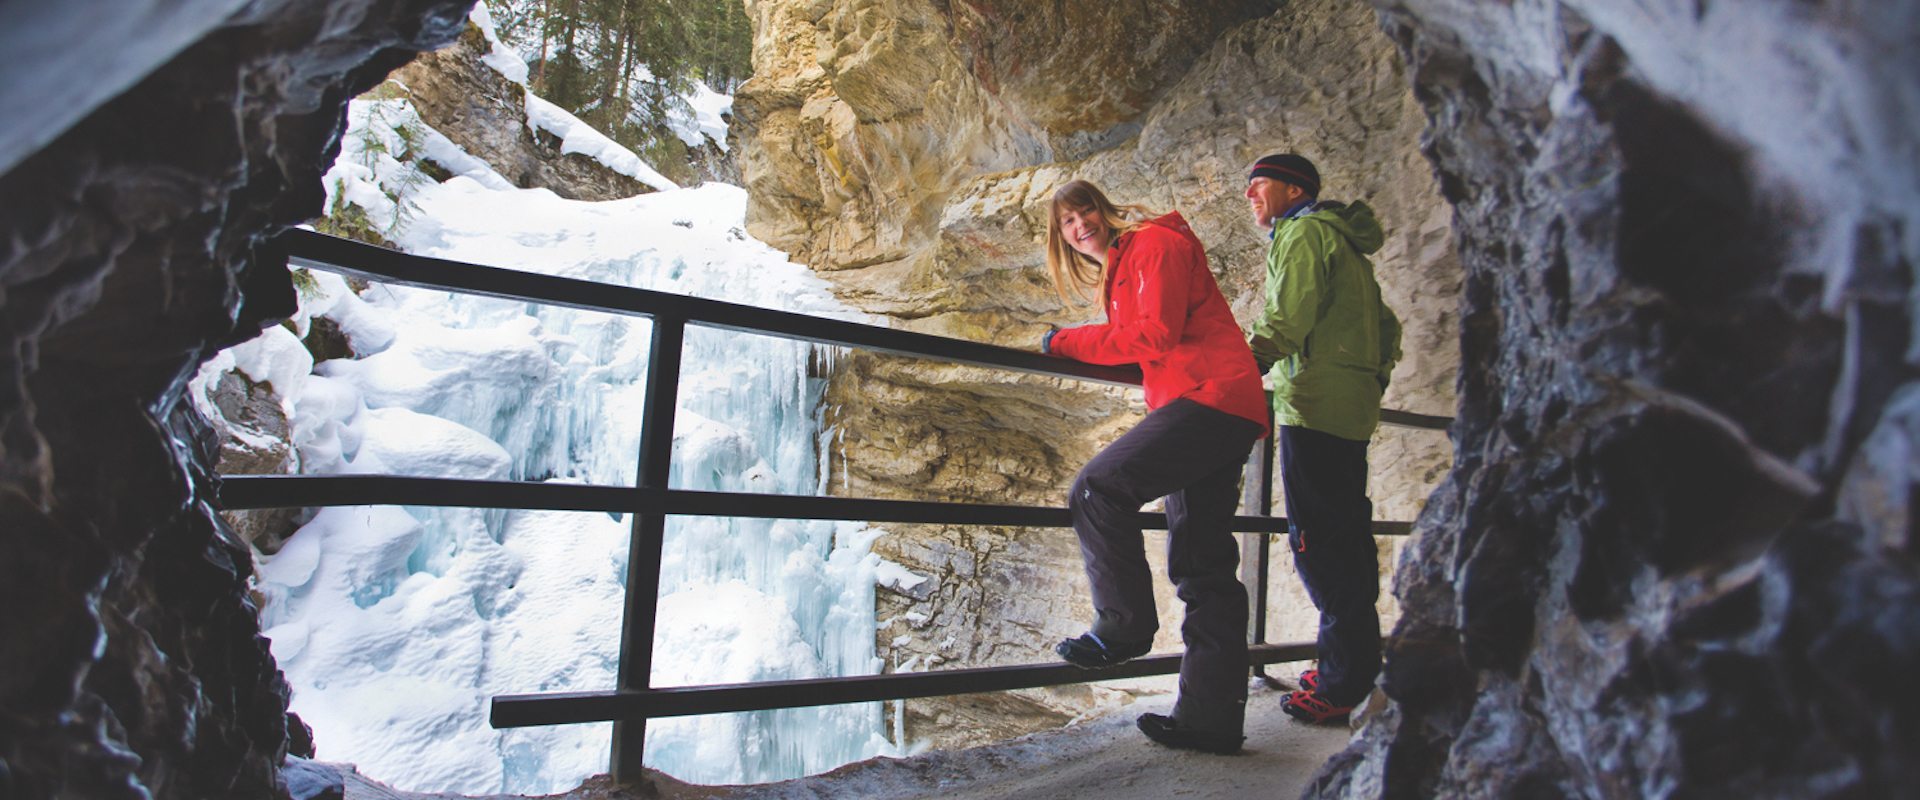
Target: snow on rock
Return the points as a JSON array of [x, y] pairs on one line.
[[274, 357], [325, 424], [439, 369], [501, 58], [579, 137], [897, 577], [706, 123], [294, 565], [402, 442]]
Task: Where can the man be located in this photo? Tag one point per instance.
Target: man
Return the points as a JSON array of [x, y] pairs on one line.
[[1329, 344]]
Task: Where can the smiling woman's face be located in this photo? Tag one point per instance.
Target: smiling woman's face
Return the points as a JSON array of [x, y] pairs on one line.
[[1086, 232]]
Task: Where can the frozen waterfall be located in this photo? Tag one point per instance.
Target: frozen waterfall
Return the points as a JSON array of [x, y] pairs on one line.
[[395, 625]]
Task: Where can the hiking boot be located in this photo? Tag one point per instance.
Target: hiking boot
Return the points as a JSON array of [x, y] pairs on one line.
[[1310, 680], [1089, 652], [1163, 729], [1307, 706]]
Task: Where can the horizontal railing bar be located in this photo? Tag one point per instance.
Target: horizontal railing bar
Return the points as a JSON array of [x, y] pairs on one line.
[[317, 250], [333, 254], [565, 708], [239, 492], [307, 491], [1408, 419]]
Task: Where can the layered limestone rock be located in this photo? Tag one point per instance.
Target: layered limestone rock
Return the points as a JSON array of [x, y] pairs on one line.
[[133, 665], [1676, 556], [907, 150]]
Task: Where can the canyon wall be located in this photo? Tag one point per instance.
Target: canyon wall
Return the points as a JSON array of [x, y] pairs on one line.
[[133, 665], [906, 150], [1675, 556]]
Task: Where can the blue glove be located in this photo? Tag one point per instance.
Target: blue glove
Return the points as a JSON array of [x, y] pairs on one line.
[[1046, 341]]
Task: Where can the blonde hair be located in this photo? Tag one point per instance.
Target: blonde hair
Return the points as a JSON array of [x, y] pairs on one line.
[[1071, 270]]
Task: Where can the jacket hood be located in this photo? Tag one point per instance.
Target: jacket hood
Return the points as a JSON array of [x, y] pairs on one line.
[[1354, 221], [1178, 224]]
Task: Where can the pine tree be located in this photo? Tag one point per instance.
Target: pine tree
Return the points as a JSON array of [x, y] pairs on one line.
[[623, 65], [588, 53]]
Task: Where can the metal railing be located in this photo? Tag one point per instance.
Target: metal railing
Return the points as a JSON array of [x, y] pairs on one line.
[[651, 501]]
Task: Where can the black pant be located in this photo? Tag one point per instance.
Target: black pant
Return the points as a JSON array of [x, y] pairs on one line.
[[1325, 478], [1193, 456]]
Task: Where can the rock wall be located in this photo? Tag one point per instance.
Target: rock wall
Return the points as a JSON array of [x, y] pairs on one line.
[[477, 108], [255, 439], [1676, 554], [133, 665], [906, 149]]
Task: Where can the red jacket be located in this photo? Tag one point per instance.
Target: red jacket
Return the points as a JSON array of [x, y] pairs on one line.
[[1166, 313]]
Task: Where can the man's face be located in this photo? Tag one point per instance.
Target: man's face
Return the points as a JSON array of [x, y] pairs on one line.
[[1270, 198]]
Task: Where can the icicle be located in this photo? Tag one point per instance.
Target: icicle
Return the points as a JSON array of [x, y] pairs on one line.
[[900, 725]]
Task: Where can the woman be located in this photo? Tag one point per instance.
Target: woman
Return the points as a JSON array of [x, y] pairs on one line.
[[1207, 408]]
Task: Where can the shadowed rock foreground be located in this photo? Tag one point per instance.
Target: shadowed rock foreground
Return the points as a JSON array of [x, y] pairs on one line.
[[1676, 552], [133, 665]]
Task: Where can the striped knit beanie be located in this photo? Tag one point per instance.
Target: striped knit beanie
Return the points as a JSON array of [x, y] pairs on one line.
[[1290, 168]]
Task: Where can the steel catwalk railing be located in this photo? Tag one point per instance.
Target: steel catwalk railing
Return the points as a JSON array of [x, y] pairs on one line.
[[651, 501]]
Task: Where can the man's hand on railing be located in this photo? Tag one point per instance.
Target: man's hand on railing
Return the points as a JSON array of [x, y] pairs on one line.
[[1046, 340]]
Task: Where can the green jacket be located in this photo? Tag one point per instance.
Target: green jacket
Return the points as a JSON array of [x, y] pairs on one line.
[[1325, 336]]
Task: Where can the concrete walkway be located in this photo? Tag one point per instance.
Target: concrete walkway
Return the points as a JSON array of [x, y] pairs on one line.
[[1101, 759]]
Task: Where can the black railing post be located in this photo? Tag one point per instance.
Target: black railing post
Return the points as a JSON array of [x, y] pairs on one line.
[[1256, 497], [649, 534]]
